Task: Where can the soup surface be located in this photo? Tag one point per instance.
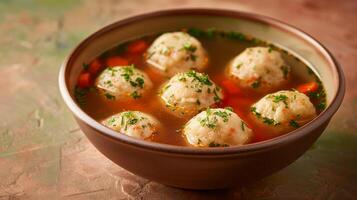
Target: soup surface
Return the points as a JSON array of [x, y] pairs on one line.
[[221, 48]]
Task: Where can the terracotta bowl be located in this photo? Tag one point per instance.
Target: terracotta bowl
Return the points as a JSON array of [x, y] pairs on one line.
[[204, 168]]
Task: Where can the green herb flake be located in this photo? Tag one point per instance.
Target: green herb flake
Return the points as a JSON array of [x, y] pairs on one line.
[[269, 121], [128, 118], [321, 105], [85, 66], [202, 78], [135, 95], [140, 82], [196, 32], [242, 125], [255, 112], [127, 72], [239, 65], [256, 84], [111, 121], [235, 36], [182, 79], [229, 108], [80, 95], [281, 97], [213, 144], [216, 97], [294, 124], [223, 114], [189, 47], [109, 96], [209, 121]]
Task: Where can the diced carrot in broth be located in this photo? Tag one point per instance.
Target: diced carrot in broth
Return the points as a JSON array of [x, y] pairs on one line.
[[116, 61], [94, 67], [308, 87], [84, 80], [137, 47], [230, 87]]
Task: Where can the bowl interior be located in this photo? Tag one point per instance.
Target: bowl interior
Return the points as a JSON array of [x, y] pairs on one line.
[[286, 37]]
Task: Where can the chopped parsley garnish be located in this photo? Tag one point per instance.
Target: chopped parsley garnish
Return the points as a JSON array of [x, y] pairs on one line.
[[80, 95], [128, 118], [139, 82], [255, 112], [294, 124], [85, 66], [135, 95], [189, 47], [270, 121], [229, 108], [182, 79], [242, 125], [213, 144], [321, 105], [235, 36], [239, 65], [216, 98], [320, 93], [256, 83], [211, 118], [127, 72], [201, 33], [109, 82], [265, 119], [270, 49], [109, 96], [207, 121], [280, 97], [202, 78], [223, 114], [111, 121]]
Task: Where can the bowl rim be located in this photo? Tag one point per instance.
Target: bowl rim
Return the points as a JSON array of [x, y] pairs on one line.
[[167, 148]]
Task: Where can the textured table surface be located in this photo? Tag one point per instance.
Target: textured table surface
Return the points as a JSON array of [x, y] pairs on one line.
[[44, 154]]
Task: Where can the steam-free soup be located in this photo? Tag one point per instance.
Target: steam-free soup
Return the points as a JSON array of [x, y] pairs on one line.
[[203, 88]]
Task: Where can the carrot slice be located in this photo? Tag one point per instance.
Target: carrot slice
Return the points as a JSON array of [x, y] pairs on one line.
[[230, 87], [137, 47], [94, 67], [84, 80], [116, 61], [308, 87]]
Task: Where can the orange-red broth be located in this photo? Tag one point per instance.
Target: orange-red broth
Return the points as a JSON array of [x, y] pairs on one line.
[[221, 50]]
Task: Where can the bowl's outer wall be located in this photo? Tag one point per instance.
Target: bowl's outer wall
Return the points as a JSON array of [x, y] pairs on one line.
[[204, 168], [200, 172]]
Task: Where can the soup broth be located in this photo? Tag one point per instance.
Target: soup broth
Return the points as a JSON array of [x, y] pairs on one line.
[[221, 47]]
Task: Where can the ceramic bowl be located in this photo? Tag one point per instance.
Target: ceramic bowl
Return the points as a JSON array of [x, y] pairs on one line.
[[204, 168]]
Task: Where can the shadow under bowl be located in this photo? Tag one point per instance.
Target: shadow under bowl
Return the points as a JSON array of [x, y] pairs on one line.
[[204, 168]]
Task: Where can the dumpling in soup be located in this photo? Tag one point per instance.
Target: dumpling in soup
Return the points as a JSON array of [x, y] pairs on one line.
[[133, 123], [123, 82], [259, 68], [284, 110], [176, 52], [186, 94], [216, 127]]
